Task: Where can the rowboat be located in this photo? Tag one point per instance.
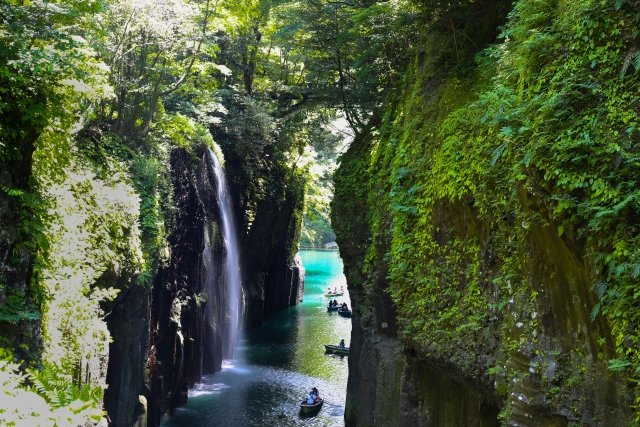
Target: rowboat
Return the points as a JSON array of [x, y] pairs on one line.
[[332, 294], [344, 312], [305, 408], [333, 307], [328, 348]]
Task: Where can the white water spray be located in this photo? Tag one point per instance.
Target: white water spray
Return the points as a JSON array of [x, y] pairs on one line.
[[231, 273]]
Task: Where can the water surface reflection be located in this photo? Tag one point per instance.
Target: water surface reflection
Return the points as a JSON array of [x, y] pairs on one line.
[[281, 361]]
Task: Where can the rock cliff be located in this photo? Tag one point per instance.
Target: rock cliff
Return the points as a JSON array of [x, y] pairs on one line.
[[178, 314], [19, 302], [273, 277], [475, 290], [552, 376], [269, 196], [165, 337]]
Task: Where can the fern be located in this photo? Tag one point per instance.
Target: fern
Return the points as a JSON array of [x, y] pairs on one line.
[[57, 387], [619, 365], [45, 397], [595, 311], [633, 57], [497, 154], [600, 288]]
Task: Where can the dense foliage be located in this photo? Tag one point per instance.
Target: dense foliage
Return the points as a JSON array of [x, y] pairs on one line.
[[480, 147], [95, 94], [513, 169], [45, 397]]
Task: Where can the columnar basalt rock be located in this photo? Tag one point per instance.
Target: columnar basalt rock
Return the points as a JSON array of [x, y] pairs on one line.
[[128, 323], [178, 315], [472, 305], [166, 337], [274, 278], [160, 334]]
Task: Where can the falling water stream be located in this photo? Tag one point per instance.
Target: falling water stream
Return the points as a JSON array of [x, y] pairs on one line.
[[231, 272]]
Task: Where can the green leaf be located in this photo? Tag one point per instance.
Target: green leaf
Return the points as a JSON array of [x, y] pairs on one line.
[[498, 153], [619, 365], [506, 132]]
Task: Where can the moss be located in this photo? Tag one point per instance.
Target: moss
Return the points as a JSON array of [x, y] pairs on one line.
[[494, 197], [350, 208]]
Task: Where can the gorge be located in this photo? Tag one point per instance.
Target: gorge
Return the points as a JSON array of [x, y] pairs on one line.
[[476, 161]]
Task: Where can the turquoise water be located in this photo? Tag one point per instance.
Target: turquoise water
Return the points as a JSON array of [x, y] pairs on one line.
[[279, 362]]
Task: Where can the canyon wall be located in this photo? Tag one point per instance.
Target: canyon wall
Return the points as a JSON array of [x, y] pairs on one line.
[[167, 335], [160, 333], [475, 272]]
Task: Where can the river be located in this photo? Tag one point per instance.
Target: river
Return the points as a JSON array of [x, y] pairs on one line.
[[279, 362]]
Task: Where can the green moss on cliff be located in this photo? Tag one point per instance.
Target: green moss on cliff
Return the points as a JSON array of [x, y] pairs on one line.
[[502, 198]]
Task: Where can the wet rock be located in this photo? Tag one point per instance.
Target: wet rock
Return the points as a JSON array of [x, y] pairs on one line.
[[178, 314]]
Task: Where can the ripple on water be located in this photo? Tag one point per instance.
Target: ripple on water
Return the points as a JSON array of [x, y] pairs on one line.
[[242, 395], [281, 361]]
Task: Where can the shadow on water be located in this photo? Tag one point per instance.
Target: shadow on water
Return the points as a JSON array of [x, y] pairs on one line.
[[281, 361]]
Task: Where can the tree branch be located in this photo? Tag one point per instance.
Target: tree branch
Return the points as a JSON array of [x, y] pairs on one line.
[[186, 73]]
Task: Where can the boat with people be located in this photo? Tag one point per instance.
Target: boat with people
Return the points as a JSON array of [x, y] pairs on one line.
[[334, 305], [333, 294], [310, 408], [344, 312], [336, 349], [312, 402]]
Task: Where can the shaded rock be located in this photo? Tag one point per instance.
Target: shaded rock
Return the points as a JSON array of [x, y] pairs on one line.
[[128, 323], [178, 314], [21, 333]]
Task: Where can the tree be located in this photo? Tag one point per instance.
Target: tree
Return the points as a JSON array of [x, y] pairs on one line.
[[48, 78], [152, 48]]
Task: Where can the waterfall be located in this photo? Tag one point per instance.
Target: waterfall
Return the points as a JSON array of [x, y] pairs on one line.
[[230, 277]]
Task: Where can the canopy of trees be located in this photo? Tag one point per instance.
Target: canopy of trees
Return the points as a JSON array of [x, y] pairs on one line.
[[94, 94]]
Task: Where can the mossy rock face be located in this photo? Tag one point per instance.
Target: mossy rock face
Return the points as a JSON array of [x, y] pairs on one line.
[[20, 297], [177, 315], [462, 214]]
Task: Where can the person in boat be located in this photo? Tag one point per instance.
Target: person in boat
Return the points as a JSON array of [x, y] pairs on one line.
[[315, 394], [309, 400], [345, 306], [341, 343]]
